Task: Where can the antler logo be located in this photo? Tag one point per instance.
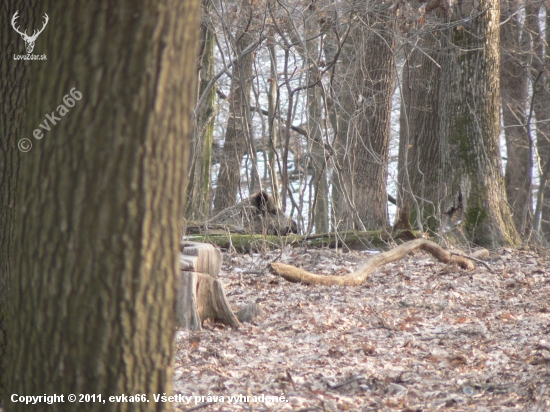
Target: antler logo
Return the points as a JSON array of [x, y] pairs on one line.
[[29, 40]]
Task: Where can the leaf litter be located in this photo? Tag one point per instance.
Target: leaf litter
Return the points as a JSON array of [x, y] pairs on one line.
[[419, 335]]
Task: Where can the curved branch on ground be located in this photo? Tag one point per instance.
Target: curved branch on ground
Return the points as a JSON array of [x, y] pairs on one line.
[[294, 274]]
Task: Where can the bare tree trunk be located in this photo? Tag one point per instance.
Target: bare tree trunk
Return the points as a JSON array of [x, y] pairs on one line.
[[198, 202], [314, 121], [362, 141], [308, 47], [237, 133], [513, 81], [14, 92], [419, 160], [543, 129], [273, 111], [471, 125], [92, 310], [540, 82]]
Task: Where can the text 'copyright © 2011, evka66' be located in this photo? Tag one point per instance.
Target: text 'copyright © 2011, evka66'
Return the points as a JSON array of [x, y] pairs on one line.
[[72, 398]]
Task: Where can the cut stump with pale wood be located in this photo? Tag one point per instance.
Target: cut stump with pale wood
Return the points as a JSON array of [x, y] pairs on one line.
[[200, 257], [200, 294]]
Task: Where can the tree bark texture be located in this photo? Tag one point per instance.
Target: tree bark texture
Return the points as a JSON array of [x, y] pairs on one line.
[[273, 108], [92, 309], [198, 202], [513, 82], [237, 135], [310, 55], [471, 125], [540, 83], [419, 162], [543, 128], [14, 97], [202, 297], [367, 69]]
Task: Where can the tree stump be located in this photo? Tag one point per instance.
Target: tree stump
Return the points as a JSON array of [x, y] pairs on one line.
[[200, 295], [200, 257]]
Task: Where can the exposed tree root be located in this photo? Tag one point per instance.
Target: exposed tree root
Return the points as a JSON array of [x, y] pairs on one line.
[[294, 274]]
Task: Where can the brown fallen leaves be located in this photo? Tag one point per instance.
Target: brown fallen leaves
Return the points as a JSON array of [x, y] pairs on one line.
[[417, 334]]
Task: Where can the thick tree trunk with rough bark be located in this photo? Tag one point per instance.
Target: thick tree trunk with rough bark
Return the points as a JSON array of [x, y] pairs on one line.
[[540, 83], [362, 141], [92, 310], [14, 94], [543, 128], [198, 201], [471, 125], [513, 83], [237, 134], [419, 160]]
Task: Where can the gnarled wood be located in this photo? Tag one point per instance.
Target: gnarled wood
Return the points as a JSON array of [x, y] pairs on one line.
[[294, 274]]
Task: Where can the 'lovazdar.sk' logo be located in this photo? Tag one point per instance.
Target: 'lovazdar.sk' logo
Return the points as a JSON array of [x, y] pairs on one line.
[[29, 40]]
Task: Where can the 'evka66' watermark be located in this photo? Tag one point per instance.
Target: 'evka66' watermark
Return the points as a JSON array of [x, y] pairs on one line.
[[69, 100]]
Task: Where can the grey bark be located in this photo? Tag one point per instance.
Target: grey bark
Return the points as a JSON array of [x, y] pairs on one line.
[[308, 45], [14, 97], [237, 135], [362, 140], [540, 82], [92, 309], [471, 125], [419, 162], [513, 81], [198, 202]]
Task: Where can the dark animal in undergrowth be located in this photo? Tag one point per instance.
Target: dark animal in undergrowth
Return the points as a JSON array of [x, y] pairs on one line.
[[257, 214]]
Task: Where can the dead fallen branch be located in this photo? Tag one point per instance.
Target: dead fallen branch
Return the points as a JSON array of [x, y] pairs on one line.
[[294, 274], [228, 237], [483, 252]]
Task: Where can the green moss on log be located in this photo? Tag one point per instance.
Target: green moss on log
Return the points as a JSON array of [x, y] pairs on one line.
[[376, 239]]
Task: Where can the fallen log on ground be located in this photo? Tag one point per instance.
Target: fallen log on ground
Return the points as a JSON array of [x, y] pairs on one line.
[[230, 238], [294, 274]]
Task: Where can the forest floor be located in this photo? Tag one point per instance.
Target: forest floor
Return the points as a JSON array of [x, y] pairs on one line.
[[420, 335]]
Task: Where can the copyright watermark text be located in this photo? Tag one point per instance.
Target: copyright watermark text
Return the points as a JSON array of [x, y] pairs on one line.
[[51, 119], [157, 398], [49, 399]]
